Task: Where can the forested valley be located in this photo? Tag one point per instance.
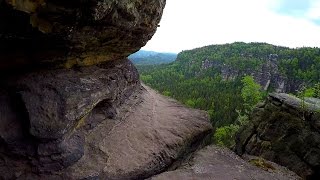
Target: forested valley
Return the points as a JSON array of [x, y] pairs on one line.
[[143, 57], [228, 80]]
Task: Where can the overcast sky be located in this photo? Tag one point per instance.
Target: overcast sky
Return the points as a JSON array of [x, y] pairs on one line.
[[187, 24]]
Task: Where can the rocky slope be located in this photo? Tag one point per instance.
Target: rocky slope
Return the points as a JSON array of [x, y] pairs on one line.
[[285, 130], [146, 135], [218, 163]]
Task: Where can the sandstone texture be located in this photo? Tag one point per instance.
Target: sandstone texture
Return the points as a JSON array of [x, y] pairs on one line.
[[134, 138], [285, 130], [63, 34], [219, 163], [42, 113], [71, 104]]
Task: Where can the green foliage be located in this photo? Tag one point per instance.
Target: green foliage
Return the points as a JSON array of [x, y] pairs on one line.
[[309, 92], [166, 93], [225, 136], [211, 113], [228, 100], [212, 94], [250, 92], [316, 90], [305, 92], [190, 103], [146, 78], [149, 57], [242, 119]]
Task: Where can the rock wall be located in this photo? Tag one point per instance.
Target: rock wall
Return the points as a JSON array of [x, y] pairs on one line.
[[63, 34], [63, 73], [285, 130], [43, 114], [267, 74]]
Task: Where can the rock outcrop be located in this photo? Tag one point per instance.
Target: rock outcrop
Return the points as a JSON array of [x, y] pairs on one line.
[[63, 34], [285, 130], [71, 103], [42, 113], [218, 163], [267, 74], [117, 139]]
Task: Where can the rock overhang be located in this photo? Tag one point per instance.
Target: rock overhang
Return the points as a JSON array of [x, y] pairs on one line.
[[63, 34]]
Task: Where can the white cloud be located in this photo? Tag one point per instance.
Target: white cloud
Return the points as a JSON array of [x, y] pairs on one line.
[[188, 24], [314, 12]]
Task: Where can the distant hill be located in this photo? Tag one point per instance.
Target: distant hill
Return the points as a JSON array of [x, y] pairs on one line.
[[210, 78], [151, 58]]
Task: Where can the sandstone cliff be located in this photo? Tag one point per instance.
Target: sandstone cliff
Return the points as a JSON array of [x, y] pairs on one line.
[[71, 104], [285, 130], [267, 74]]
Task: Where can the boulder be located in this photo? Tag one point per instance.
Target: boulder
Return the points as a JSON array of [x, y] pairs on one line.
[[215, 162], [63, 34], [285, 130]]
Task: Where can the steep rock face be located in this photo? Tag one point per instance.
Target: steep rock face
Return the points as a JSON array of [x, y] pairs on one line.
[[139, 138], [267, 74], [57, 33], [215, 162], [71, 103], [42, 113], [63, 73], [285, 130]]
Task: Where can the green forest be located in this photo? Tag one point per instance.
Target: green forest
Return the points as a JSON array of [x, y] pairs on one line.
[[143, 57], [229, 101]]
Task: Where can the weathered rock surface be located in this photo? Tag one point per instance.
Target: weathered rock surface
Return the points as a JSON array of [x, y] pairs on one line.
[[267, 74], [116, 139], [285, 130], [218, 163], [57, 99], [71, 104], [57, 33], [42, 113]]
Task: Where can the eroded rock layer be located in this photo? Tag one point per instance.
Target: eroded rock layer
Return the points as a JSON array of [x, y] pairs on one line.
[[136, 133], [58, 33], [71, 104], [43, 113], [285, 130]]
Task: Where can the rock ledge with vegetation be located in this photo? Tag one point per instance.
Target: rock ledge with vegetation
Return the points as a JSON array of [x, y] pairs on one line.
[[285, 130]]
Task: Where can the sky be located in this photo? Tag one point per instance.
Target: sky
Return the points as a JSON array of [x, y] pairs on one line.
[[188, 24]]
